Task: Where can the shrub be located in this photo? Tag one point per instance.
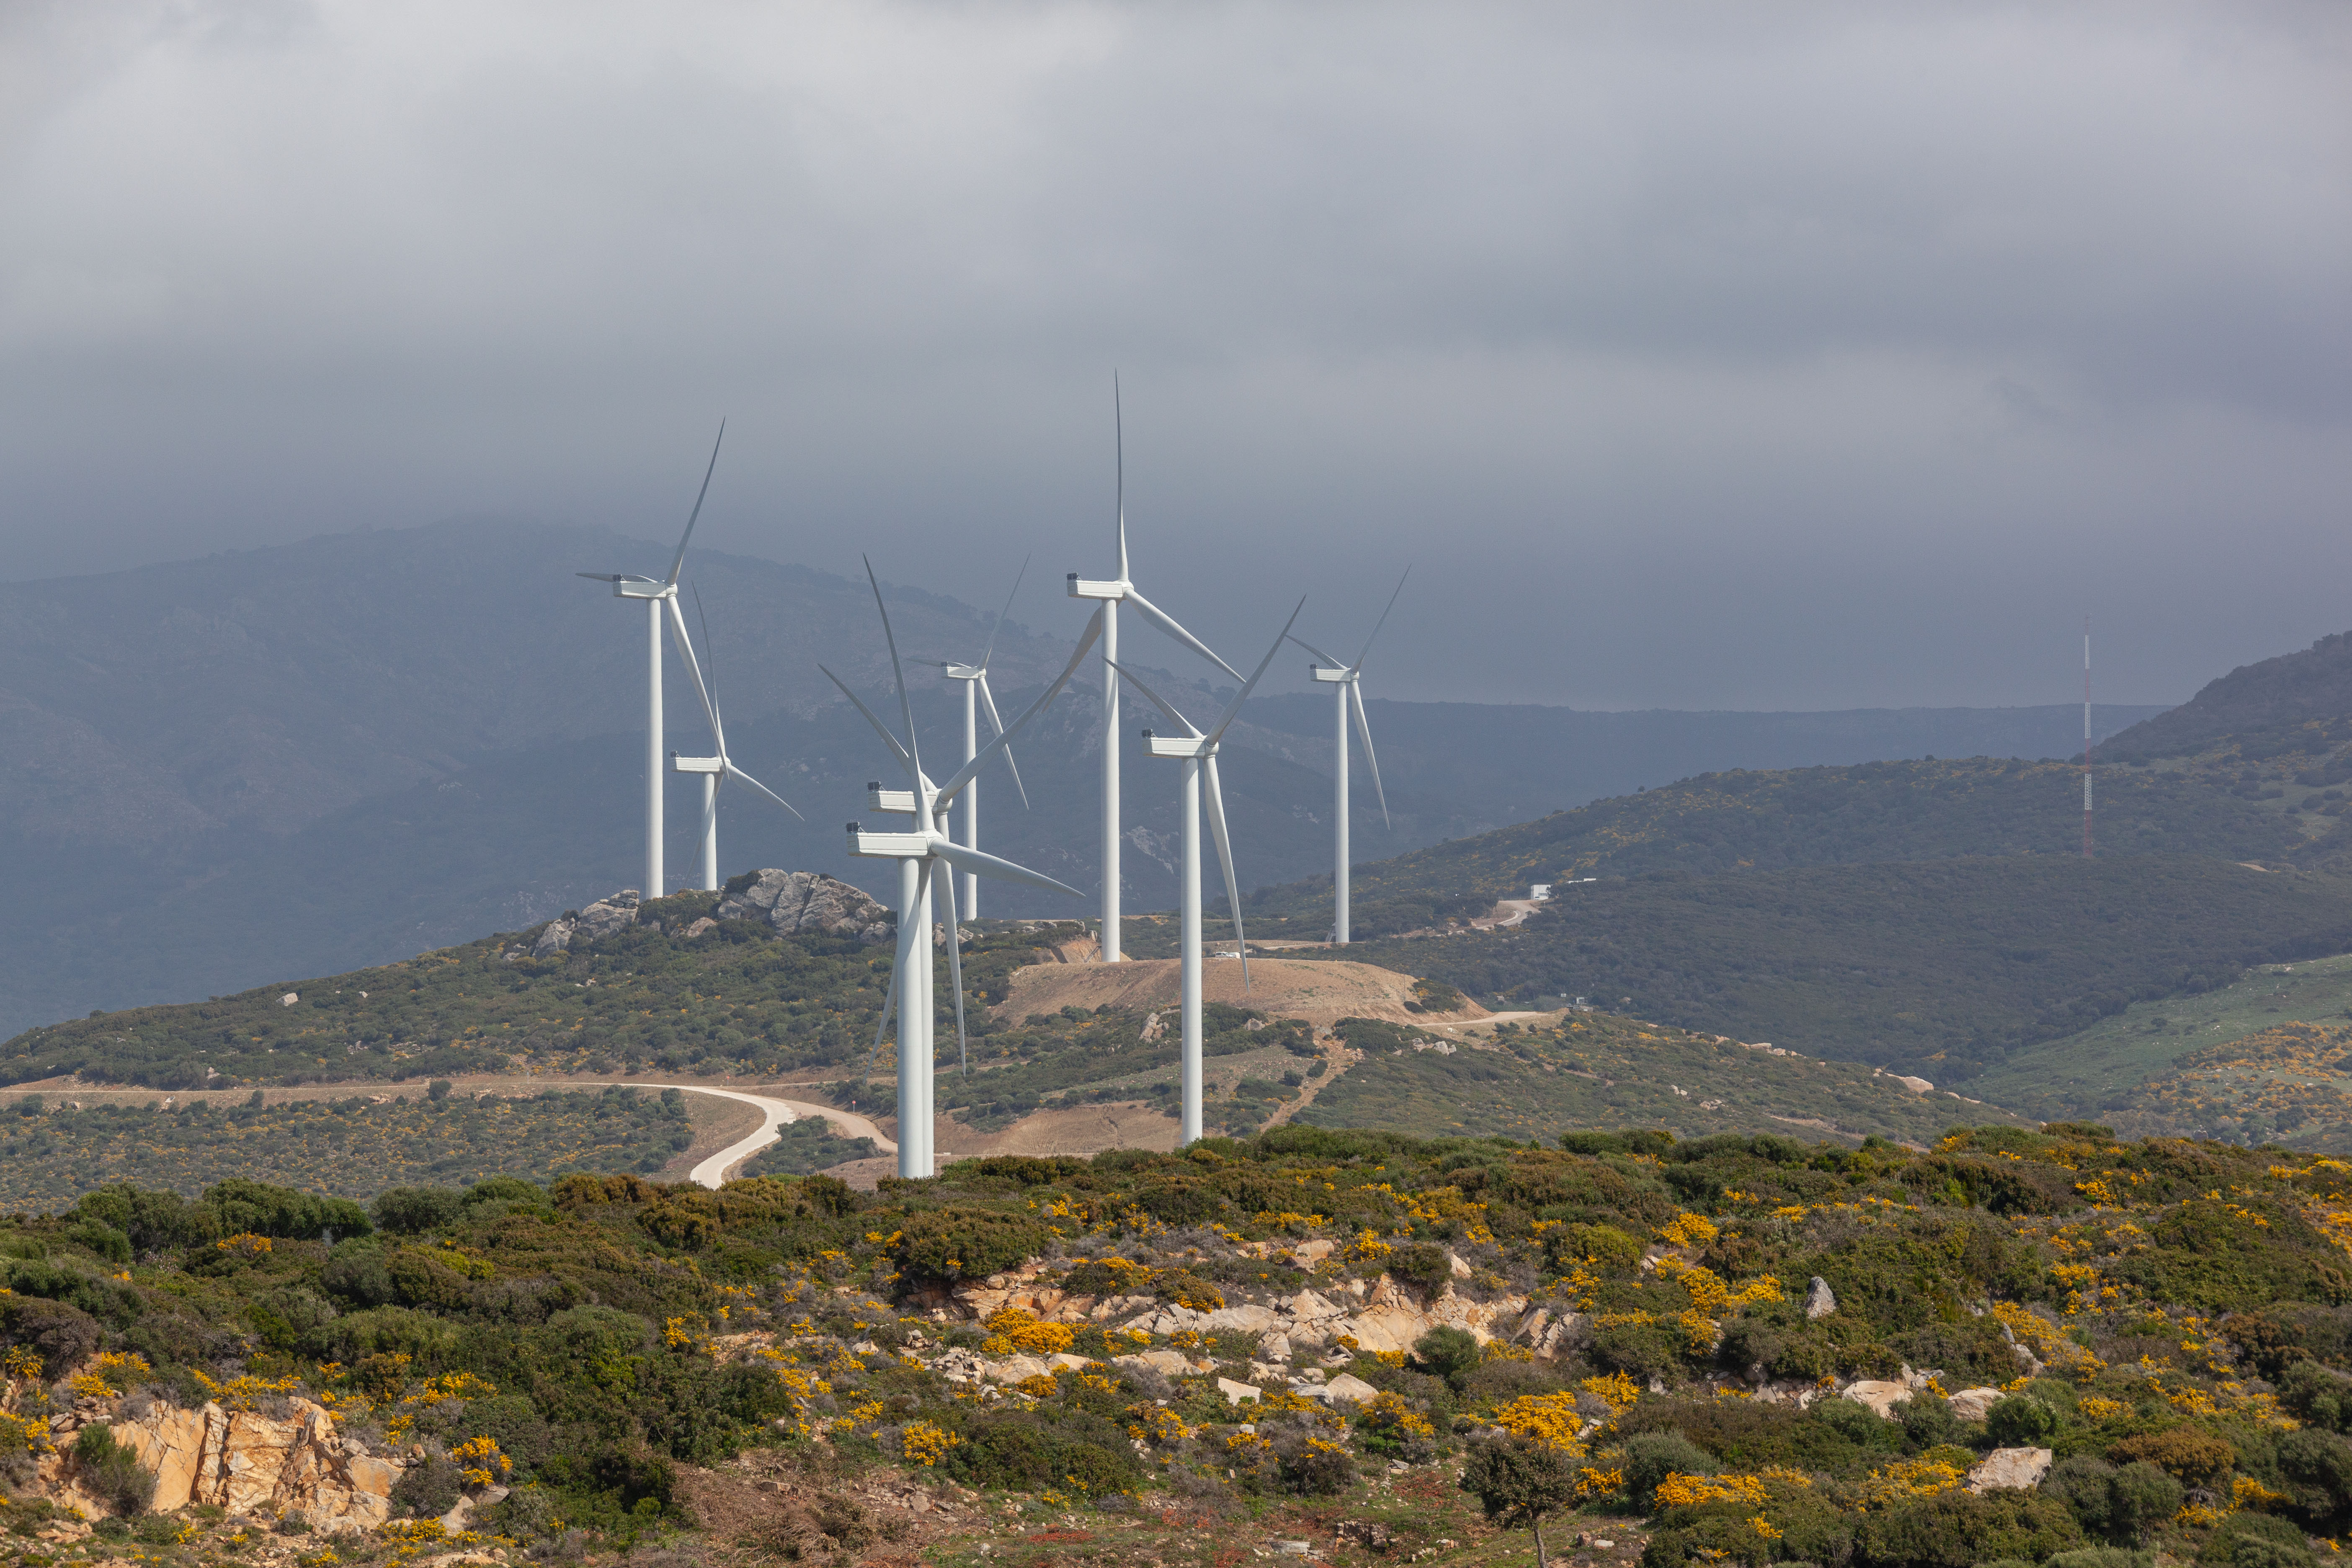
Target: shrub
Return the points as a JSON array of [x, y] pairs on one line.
[[2318, 1469], [2317, 1395], [1957, 1528], [1422, 1266], [1448, 1352], [2256, 1541], [2102, 1557], [427, 1490], [1605, 1247], [2197, 1458], [2081, 1481], [1641, 1351], [111, 1472], [2021, 1420], [1310, 1466], [1517, 1482], [61, 1335], [955, 1244], [2140, 1498], [411, 1210], [437, 1090], [1652, 1457]]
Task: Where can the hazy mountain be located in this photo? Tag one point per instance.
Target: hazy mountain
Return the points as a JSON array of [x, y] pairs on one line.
[[301, 759], [2275, 694]]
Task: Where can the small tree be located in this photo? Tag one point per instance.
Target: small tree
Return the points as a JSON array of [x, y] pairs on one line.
[[437, 1090], [1448, 1353], [1518, 1481]]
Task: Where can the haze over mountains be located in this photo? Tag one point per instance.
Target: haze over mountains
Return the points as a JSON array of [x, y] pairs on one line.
[[304, 758]]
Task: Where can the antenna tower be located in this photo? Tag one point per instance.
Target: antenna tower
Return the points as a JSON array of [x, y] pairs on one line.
[[2086, 737]]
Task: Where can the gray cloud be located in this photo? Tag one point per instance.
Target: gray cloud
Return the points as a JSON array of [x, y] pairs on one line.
[[1700, 356]]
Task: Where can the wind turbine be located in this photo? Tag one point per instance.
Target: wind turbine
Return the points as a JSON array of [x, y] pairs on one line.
[[1197, 750], [975, 692], [1345, 681], [1113, 594], [627, 585], [918, 854], [715, 771]]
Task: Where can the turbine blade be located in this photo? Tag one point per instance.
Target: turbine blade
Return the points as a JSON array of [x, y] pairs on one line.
[[880, 729], [708, 646], [1119, 437], [733, 771], [677, 619], [955, 980], [1319, 653], [1156, 700], [988, 700], [679, 565], [610, 577], [982, 864], [1225, 857], [999, 626], [906, 707], [1242, 695], [1167, 623], [1381, 622], [1003, 741], [1364, 735]]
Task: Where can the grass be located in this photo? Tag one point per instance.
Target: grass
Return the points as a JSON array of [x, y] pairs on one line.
[[2080, 1074]]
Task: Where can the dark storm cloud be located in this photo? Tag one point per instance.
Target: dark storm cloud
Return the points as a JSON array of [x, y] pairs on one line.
[[1704, 356]]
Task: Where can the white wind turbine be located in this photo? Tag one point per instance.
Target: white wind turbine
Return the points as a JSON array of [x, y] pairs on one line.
[[1113, 594], [627, 585], [974, 678], [717, 769], [918, 854], [1345, 681], [1197, 752]]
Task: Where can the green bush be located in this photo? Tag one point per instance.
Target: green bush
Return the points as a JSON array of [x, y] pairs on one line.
[[2256, 1541], [2021, 1420], [1959, 1530], [1422, 1266], [2318, 1469], [1641, 1351], [111, 1472], [2140, 1498], [1448, 1353], [1652, 1457], [412, 1210], [955, 1244]]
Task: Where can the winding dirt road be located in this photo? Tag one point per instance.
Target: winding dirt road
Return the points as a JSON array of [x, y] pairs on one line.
[[774, 1113]]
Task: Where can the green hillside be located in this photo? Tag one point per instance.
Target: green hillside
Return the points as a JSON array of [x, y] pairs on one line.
[[1744, 822], [2271, 699], [1945, 969], [2094, 1074], [611, 1371]]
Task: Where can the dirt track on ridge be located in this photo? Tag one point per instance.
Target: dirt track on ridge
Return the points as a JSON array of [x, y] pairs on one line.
[[1320, 993]]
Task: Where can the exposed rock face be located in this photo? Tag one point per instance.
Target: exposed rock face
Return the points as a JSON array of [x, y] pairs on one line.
[[255, 1464], [1879, 1399], [2010, 1470], [794, 901], [1820, 1300], [1970, 1404], [602, 918]]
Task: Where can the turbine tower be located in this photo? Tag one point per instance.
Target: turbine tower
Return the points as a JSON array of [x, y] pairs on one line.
[[1119, 590], [714, 770], [1197, 752], [627, 585], [974, 678], [1345, 681], [920, 853]]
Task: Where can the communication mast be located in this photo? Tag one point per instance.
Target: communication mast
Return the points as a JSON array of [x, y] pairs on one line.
[[2086, 737]]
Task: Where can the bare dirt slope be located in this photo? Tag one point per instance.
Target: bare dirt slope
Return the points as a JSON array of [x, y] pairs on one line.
[[1319, 993]]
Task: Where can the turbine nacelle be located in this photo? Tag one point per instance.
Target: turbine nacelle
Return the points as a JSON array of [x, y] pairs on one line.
[[679, 765], [963, 671], [899, 802], [1330, 676], [1086, 588], [888, 845], [1178, 746]]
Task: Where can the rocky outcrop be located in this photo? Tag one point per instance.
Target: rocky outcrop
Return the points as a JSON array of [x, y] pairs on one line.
[[1820, 1299], [249, 1463], [602, 918], [1970, 1404], [795, 902], [1877, 1397], [2010, 1470]]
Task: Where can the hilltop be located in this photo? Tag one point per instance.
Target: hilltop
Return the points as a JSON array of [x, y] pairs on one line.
[[2012, 1347], [2271, 699]]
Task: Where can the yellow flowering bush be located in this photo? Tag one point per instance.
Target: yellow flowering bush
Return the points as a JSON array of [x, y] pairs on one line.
[[927, 1444], [479, 1463], [105, 1377], [1012, 1328], [1548, 1418], [1689, 1230]]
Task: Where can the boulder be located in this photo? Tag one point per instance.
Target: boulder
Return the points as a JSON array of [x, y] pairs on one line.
[[252, 1464], [1820, 1299], [2010, 1470], [606, 916], [1273, 1346], [1169, 1364], [1350, 1389], [795, 902], [1970, 1404], [1879, 1399], [1235, 1393]]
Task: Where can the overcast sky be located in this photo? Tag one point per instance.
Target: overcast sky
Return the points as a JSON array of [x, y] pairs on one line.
[[1699, 356]]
